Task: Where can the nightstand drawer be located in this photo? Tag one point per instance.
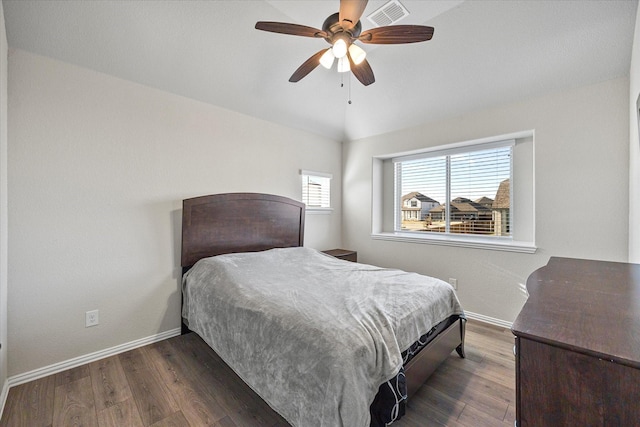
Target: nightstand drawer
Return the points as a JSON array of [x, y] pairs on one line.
[[345, 254]]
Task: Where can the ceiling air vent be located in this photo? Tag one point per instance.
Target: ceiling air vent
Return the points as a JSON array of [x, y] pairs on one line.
[[390, 13]]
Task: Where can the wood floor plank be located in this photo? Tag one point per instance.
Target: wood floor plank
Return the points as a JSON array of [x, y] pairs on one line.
[[472, 353], [151, 395], [74, 404], [457, 382], [225, 422], [437, 400], [422, 413], [197, 405], [431, 414], [493, 347], [244, 406], [206, 363], [73, 374], [175, 420], [499, 372], [495, 333], [120, 414], [486, 403], [510, 416], [109, 382], [472, 417], [30, 404]]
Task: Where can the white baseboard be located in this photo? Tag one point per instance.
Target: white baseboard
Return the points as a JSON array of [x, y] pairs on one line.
[[487, 319], [81, 360], [3, 396]]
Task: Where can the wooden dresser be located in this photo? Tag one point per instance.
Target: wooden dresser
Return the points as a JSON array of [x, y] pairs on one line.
[[578, 345]]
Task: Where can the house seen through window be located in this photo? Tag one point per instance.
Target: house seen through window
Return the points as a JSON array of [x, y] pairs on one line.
[[458, 191]]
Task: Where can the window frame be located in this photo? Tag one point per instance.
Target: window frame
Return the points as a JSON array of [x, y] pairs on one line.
[[316, 209], [447, 153], [383, 216]]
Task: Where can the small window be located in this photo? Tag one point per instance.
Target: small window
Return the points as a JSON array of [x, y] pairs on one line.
[[316, 190], [469, 188]]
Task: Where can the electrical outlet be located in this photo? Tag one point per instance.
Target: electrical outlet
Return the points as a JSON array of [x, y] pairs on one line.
[[453, 282], [91, 318]]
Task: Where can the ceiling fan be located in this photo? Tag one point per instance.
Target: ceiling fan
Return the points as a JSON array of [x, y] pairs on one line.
[[341, 30]]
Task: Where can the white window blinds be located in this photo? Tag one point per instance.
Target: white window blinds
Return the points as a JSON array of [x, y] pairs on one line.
[[462, 191], [316, 189]]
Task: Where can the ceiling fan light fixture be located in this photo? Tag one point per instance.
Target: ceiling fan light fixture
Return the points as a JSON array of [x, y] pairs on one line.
[[341, 30], [343, 65], [326, 60], [357, 54], [340, 48]]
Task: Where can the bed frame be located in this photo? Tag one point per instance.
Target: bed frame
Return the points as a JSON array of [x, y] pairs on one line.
[[249, 222]]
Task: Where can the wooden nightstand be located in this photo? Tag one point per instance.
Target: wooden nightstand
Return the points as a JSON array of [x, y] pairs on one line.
[[345, 254]]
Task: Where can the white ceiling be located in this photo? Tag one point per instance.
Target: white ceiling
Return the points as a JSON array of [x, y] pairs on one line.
[[483, 53]]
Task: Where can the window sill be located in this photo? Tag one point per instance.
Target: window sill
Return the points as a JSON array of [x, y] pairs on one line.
[[459, 241], [318, 211]]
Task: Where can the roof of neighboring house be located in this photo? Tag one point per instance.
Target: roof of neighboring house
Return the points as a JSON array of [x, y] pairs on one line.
[[484, 201], [418, 196], [463, 207], [471, 207], [503, 196], [461, 200]]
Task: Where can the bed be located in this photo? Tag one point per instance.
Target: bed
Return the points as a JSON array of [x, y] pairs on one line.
[[246, 271]]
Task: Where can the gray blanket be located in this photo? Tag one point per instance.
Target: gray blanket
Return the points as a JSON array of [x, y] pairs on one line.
[[314, 336]]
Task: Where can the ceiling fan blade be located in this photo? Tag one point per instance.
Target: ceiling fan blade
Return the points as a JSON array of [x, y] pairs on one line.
[[307, 66], [397, 34], [362, 71], [351, 11], [291, 29]]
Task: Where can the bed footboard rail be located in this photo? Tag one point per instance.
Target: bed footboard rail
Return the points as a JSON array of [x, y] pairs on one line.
[[429, 358]]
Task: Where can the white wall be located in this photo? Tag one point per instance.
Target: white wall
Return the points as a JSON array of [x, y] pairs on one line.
[[634, 148], [581, 191], [3, 202], [98, 168]]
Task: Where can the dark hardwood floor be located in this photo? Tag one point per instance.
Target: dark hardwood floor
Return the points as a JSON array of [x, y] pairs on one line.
[[181, 382]]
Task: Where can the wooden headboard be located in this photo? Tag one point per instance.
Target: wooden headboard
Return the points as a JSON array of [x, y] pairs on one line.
[[239, 222]]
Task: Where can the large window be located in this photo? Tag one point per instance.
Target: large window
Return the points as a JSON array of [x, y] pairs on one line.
[[476, 194], [455, 191]]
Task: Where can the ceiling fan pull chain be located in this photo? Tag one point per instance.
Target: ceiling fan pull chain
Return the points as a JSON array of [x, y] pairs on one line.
[[349, 77]]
